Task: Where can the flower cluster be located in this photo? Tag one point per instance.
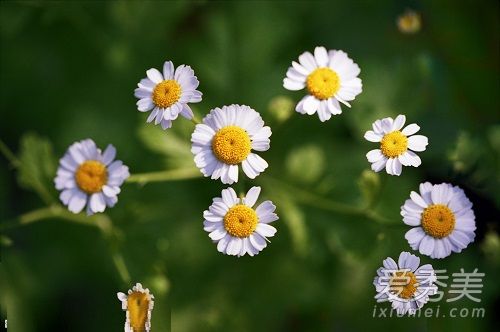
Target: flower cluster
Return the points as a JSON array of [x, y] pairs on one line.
[[230, 138]]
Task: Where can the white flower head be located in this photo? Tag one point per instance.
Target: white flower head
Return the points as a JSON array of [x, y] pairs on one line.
[[406, 285], [88, 177], [237, 227], [138, 303], [330, 77], [396, 145], [226, 139], [167, 94], [442, 219]]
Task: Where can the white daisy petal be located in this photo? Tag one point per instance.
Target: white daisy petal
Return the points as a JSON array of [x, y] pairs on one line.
[[410, 129], [154, 75], [372, 136], [417, 143], [399, 122], [252, 196], [374, 155]]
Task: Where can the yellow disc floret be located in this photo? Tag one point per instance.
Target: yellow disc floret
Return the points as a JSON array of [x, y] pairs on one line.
[[91, 176], [438, 221], [166, 93], [394, 144], [323, 83], [231, 145], [403, 284], [240, 221], [138, 306]]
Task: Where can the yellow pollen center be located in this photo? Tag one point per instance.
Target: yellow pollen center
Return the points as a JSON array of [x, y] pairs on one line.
[[438, 221], [404, 284], [138, 306], [231, 145], [394, 144], [240, 221], [323, 83], [166, 93], [91, 176]]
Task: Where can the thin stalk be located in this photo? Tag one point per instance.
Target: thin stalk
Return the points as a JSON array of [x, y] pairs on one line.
[[170, 175]]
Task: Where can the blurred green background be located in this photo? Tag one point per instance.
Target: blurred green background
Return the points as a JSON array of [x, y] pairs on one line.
[[68, 71]]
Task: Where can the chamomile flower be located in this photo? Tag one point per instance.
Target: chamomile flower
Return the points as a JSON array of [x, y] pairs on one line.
[[396, 145], [442, 218], [138, 304], [226, 139], [237, 227], [88, 177], [167, 94], [330, 77], [406, 285]]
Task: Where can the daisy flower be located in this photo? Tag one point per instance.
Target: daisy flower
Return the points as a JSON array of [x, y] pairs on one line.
[[235, 226], [138, 304], [395, 145], [88, 177], [226, 139], [406, 285], [442, 218], [168, 94], [329, 76]]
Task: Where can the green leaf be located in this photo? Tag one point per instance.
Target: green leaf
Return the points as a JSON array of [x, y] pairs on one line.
[[37, 166]]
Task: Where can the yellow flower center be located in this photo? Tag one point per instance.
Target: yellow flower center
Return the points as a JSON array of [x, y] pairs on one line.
[[138, 306], [240, 221], [166, 93], [91, 176], [323, 83], [438, 221], [231, 145], [403, 283], [394, 144]]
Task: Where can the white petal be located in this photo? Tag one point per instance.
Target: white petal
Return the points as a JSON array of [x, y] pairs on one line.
[[410, 129], [109, 154], [292, 85], [311, 105], [414, 237], [307, 60], [399, 122], [154, 75], [374, 155], [251, 196], [229, 197], [145, 104], [408, 261], [265, 230], [418, 199], [417, 142], [373, 137], [168, 70], [265, 208], [77, 202], [321, 56], [426, 246], [97, 203], [379, 165]]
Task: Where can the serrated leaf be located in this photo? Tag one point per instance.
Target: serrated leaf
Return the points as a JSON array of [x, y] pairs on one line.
[[37, 166]]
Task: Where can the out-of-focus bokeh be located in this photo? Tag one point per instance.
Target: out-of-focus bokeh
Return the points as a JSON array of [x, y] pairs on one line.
[[68, 71]]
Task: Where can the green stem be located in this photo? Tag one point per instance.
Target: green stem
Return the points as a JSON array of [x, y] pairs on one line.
[[170, 175], [319, 202], [11, 157], [119, 262], [195, 120]]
